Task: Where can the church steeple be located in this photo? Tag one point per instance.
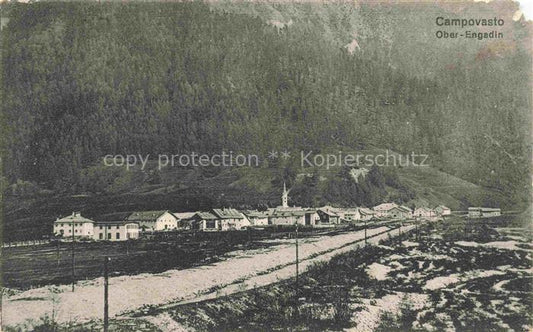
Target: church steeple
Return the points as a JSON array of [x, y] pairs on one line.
[[285, 197]]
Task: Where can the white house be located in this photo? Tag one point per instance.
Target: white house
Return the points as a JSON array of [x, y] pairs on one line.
[[382, 210], [257, 218], [366, 214], [184, 219], [424, 212], [483, 212], [74, 224], [399, 212], [231, 219], [154, 220], [442, 210], [329, 216], [205, 221], [408, 210], [116, 230], [293, 216], [349, 214]]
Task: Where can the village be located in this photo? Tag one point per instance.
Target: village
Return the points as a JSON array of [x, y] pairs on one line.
[[226, 219]]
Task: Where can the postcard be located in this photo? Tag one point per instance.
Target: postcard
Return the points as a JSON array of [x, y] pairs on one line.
[[266, 165]]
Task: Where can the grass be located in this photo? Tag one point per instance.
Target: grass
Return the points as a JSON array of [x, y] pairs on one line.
[[331, 293], [50, 264]]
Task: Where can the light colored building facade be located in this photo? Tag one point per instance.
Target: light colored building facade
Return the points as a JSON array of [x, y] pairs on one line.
[[442, 210], [483, 212], [116, 230], [293, 216], [205, 221], [74, 225], [184, 219], [328, 216], [367, 214], [424, 212], [154, 220], [351, 214], [408, 210], [231, 219], [399, 212], [257, 218], [383, 210]]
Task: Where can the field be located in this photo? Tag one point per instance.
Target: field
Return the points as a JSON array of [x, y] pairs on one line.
[[271, 260], [458, 275], [41, 265], [454, 275]]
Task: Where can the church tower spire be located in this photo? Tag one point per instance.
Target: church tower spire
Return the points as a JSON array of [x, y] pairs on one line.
[[285, 197]]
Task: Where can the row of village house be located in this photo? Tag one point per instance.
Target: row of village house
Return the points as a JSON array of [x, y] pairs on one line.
[[129, 226], [231, 219]]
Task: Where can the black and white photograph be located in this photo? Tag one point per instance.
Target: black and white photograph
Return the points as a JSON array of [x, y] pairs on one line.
[[258, 165]]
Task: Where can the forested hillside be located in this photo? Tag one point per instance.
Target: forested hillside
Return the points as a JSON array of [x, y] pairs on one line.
[[83, 80]]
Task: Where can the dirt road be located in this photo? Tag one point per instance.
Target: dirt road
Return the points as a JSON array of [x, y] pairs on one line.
[[239, 270]]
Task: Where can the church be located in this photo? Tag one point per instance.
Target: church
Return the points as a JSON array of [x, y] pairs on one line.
[[291, 215]]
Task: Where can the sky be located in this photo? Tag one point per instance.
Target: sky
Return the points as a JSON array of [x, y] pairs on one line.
[[526, 6]]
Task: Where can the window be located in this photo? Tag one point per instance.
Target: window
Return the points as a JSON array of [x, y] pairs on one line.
[[101, 236], [209, 224], [100, 227], [109, 236], [118, 235], [117, 228]]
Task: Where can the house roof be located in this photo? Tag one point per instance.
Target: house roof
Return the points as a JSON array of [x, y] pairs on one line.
[[399, 208], [443, 207], [329, 211], [228, 213], [115, 222], [183, 215], [75, 217], [146, 215], [349, 210], [256, 214], [366, 211], [281, 213], [487, 209], [205, 215], [405, 208], [115, 216], [385, 206]]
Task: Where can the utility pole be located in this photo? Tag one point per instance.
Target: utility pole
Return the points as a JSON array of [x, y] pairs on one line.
[[73, 271], [400, 234], [106, 295], [297, 272], [365, 234], [57, 252]]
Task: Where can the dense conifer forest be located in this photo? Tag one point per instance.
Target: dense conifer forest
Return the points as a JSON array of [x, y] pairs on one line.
[[83, 80]]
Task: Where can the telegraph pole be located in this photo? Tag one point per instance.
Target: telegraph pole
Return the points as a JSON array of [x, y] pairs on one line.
[[365, 234], [106, 295], [417, 232], [400, 234], [297, 272], [73, 271], [57, 252]]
